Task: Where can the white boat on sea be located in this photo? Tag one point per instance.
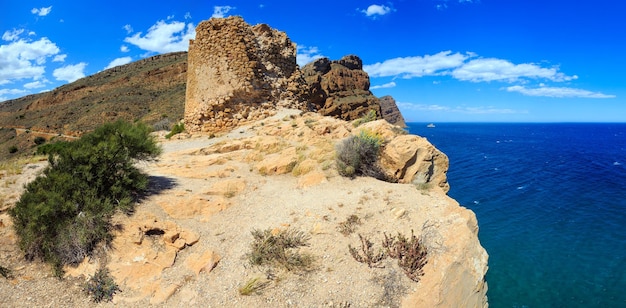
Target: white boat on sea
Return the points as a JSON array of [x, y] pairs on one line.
[[431, 125]]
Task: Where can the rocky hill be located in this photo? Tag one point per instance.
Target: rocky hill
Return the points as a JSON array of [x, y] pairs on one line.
[[390, 111], [150, 90]]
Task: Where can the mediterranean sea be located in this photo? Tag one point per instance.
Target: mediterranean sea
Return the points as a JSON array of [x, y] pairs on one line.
[[551, 206]]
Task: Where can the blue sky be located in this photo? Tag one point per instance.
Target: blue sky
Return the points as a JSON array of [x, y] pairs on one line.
[[443, 61]]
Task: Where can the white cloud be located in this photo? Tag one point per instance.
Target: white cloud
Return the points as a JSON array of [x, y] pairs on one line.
[[375, 10], [128, 28], [36, 84], [124, 48], [491, 69], [221, 11], [41, 11], [59, 58], [457, 109], [11, 91], [188, 15], [306, 55], [70, 73], [384, 86], [164, 37], [558, 92], [12, 35], [119, 61], [22, 59], [409, 67]]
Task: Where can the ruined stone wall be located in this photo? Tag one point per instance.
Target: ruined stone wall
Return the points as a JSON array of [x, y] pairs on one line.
[[238, 73]]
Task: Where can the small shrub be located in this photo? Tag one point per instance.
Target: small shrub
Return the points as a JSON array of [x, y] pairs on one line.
[[279, 249], [358, 155], [411, 254], [5, 272], [177, 129], [369, 117], [348, 226], [12, 149], [367, 254], [101, 286], [254, 285], [39, 140]]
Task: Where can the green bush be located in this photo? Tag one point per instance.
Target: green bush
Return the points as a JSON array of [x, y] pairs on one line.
[[64, 213], [12, 149], [177, 129], [39, 140], [358, 155], [369, 117], [101, 286]]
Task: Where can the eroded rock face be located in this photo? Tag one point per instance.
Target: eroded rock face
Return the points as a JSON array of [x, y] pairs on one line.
[[238, 73], [340, 88], [390, 110]]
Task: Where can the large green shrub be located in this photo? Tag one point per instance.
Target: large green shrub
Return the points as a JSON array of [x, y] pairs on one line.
[[64, 213]]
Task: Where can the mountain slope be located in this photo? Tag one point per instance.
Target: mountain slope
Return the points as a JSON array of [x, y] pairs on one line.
[[150, 90]]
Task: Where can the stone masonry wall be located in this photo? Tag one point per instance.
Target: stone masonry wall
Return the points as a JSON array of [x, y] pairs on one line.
[[239, 73]]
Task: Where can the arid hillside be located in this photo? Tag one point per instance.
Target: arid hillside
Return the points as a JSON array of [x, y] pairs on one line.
[[151, 90]]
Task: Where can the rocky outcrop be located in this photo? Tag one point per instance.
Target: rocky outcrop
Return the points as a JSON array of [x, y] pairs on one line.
[[238, 73], [340, 88], [410, 158], [390, 111]]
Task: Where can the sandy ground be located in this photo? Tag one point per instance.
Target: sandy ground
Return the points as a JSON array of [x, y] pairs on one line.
[[188, 175]]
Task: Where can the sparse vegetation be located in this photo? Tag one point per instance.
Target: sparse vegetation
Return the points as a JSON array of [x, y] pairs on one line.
[[39, 140], [411, 254], [65, 212], [176, 129], [358, 155], [367, 254], [369, 117], [253, 286], [5, 272], [280, 248], [348, 226], [101, 286], [12, 149]]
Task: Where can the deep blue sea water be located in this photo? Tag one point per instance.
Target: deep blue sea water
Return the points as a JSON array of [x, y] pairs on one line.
[[551, 206]]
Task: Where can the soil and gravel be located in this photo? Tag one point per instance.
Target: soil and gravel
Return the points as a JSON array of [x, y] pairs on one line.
[[188, 173]]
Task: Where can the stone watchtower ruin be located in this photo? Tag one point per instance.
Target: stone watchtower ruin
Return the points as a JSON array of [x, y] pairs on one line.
[[239, 73]]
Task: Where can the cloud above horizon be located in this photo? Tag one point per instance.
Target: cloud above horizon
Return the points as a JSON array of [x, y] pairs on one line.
[[118, 62], [164, 37], [375, 10], [41, 11], [70, 73], [418, 66], [458, 109], [24, 58], [221, 11], [384, 86], [470, 67], [557, 92], [307, 54]]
